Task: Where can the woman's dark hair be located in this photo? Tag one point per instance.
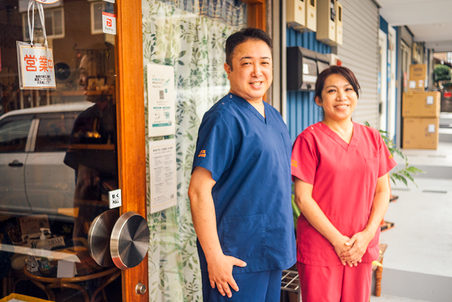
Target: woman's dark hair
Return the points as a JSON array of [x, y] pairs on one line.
[[343, 71], [243, 35]]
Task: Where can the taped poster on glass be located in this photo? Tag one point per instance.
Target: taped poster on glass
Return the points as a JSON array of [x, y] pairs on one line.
[[163, 173], [161, 100]]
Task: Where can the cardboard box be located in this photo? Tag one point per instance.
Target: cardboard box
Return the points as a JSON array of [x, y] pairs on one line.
[[418, 71], [418, 74], [416, 85], [421, 104], [420, 133]]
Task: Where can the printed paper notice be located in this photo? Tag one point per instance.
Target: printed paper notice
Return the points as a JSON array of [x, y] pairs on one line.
[[163, 185], [36, 69], [161, 100]]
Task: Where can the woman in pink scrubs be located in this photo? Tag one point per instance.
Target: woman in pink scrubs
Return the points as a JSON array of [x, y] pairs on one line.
[[340, 170]]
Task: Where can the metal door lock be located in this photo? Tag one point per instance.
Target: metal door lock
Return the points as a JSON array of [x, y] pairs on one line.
[[140, 289]]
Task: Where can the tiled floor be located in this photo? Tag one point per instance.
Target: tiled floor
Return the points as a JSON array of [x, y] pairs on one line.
[[385, 298], [420, 244]]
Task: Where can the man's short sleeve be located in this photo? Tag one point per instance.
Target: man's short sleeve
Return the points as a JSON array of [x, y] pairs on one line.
[[215, 145], [304, 160], [387, 161]]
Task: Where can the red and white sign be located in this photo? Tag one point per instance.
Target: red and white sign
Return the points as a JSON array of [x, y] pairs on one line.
[[36, 70], [109, 23]]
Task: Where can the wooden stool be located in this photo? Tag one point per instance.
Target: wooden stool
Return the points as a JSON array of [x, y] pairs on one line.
[[379, 270]]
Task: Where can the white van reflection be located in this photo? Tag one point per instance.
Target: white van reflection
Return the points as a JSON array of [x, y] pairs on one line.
[[33, 176]]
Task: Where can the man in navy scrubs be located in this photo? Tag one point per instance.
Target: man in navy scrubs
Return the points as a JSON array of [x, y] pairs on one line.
[[241, 185]]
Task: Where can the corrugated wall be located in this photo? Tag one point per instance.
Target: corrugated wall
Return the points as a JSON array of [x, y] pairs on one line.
[[301, 108], [359, 53]]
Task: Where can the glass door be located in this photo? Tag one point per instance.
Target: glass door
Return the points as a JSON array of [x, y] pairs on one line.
[[59, 153]]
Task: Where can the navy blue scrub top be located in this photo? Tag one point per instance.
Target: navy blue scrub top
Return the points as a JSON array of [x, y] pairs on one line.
[[249, 158]]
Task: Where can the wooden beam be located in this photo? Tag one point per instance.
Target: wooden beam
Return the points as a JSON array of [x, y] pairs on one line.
[[256, 14], [131, 129]]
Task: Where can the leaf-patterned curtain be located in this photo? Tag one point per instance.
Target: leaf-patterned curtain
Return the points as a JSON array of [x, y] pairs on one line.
[[233, 12], [194, 45]]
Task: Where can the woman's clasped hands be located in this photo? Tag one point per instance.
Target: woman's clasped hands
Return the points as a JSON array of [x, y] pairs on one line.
[[351, 250]]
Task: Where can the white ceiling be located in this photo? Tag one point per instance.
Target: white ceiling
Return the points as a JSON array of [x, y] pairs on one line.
[[429, 20]]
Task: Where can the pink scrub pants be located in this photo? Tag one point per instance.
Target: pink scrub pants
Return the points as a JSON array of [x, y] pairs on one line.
[[335, 283]]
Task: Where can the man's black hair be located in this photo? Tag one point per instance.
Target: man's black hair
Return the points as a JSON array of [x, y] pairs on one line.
[[243, 35]]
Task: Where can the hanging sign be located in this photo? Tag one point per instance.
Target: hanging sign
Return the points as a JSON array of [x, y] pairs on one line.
[[36, 70], [35, 61], [163, 185], [161, 99], [47, 1], [108, 23], [23, 4]]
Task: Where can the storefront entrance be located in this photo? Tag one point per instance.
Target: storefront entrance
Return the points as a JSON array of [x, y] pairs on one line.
[[95, 142], [64, 152]]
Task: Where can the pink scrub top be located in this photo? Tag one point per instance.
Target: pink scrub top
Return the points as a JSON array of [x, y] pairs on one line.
[[344, 178]]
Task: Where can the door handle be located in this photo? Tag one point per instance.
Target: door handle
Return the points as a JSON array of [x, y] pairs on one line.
[[16, 163], [129, 240], [122, 241], [99, 237]]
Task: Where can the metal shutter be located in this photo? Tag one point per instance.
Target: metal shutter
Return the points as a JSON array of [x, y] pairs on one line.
[[359, 53]]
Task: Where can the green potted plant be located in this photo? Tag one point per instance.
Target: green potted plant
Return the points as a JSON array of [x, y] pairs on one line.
[[408, 171]]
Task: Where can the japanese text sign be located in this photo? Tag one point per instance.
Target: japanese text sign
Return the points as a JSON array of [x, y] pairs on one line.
[[36, 70]]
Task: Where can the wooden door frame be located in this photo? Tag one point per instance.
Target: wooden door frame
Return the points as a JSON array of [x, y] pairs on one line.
[[257, 15], [131, 129], [131, 120]]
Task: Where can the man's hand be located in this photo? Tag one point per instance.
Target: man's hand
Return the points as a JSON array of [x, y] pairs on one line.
[[202, 206], [220, 273]]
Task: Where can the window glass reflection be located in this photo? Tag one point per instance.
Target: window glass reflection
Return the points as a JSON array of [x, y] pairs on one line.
[[58, 158]]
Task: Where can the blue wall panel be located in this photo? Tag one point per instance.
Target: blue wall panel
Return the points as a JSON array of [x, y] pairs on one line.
[[301, 108], [384, 25]]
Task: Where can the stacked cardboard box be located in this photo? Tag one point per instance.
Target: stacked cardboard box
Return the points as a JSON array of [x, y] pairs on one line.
[[420, 111], [418, 74]]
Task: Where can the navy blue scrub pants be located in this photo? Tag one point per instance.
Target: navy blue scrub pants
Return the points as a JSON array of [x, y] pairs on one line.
[[253, 287]]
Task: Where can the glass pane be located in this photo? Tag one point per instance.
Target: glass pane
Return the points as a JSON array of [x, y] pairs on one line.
[[49, 23], [54, 132], [97, 9], [58, 158], [58, 22], [13, 135]]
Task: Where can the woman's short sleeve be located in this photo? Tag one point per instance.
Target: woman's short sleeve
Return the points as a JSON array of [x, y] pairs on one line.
[[387, 161], [215, 146], [304, 159]]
